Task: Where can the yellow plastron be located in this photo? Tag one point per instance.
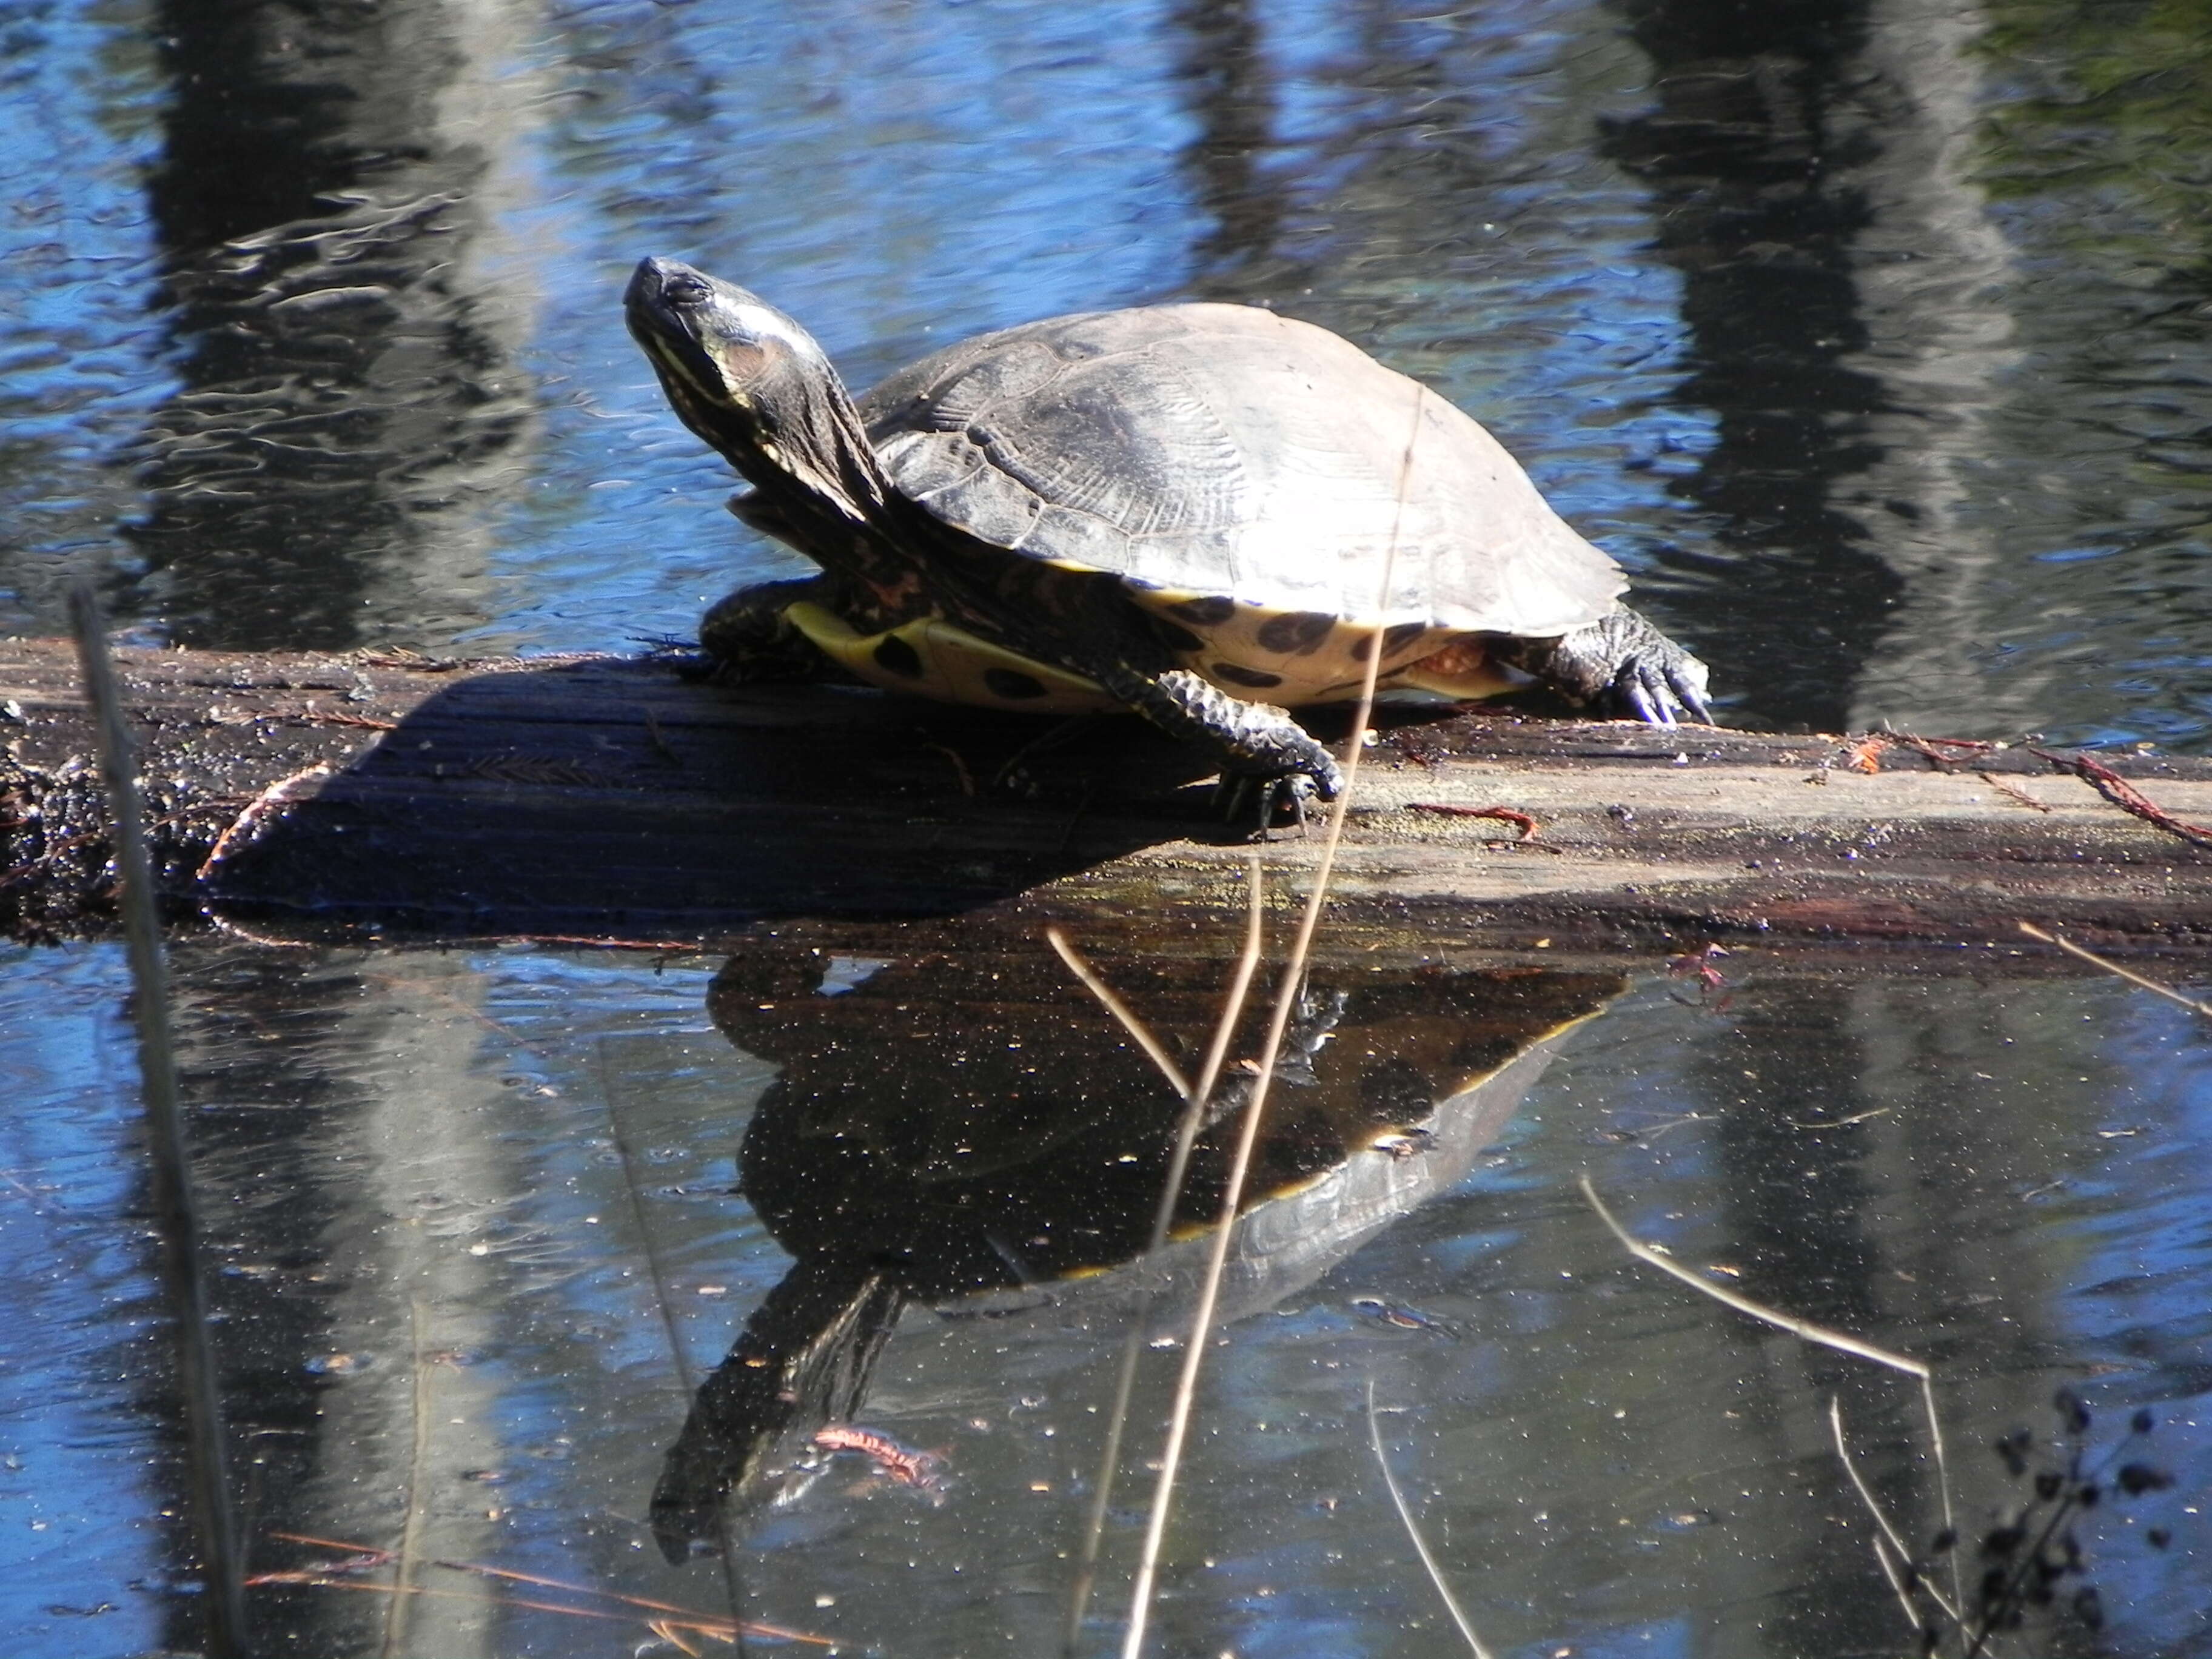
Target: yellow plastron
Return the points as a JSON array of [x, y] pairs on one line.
[[933, 658]]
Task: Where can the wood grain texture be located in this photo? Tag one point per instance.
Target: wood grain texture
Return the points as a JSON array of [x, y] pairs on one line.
[[618, 799]]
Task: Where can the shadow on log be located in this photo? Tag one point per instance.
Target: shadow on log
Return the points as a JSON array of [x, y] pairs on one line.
[[596, 797]]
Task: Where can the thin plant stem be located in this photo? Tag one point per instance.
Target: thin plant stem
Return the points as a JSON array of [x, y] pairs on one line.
[[1942, 1481], [703, 1624], [411, 1531], [1890, 1571], [1139, 1033], [1420, 1544], [1803, 1329], [1195, 1097], [668, 1325], [176, 1221], [2114, 968], [1286, 999], [1881, 1519]]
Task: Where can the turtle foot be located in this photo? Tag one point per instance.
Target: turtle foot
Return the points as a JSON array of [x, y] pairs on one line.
[[1267, 802], [1622, 665], [1268, 760]]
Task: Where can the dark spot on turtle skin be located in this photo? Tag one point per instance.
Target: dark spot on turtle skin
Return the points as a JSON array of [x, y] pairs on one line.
[[1395, 638], [1012, 685], [1208, 612], [1295, 632], [1256, 678], [894, 656], [1179, 639]]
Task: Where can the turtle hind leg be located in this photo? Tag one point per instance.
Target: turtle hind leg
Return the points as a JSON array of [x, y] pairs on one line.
[[1263, 751], [750, 640], [1619, 664]]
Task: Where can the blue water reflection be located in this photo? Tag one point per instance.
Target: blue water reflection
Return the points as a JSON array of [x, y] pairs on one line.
[[470, 1202], [1876, 343], [1823, 356]]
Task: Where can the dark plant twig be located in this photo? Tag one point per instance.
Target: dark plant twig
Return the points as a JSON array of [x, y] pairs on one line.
[[176, 1221], [2125, 795]]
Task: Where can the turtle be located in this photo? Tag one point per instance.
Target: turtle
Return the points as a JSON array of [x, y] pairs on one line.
[[1207, 513]]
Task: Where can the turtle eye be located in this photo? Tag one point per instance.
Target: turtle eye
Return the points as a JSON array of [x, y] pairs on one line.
[[686, 290]]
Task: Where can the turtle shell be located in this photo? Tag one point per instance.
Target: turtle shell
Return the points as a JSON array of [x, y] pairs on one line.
[[1252, 479]]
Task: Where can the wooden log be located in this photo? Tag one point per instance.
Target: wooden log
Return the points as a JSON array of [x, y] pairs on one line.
[[606, 798]]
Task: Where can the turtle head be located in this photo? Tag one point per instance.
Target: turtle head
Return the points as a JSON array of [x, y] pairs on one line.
[[753, 384]]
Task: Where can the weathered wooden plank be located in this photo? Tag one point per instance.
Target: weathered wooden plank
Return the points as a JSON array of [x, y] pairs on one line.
[[603, 797]]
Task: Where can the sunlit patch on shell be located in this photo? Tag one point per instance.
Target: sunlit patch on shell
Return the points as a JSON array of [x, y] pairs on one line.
[[950, 663]]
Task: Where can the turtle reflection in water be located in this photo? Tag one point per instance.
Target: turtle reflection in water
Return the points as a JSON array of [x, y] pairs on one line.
[[1188, 511], [960, 1130]]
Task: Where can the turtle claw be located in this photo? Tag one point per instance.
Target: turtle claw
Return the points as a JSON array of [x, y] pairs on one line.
[[1622, 664], [1630, 689], [1263, 801], [1654, 688]]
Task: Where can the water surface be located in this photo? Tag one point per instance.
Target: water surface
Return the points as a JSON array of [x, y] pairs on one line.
[[1872, 338]]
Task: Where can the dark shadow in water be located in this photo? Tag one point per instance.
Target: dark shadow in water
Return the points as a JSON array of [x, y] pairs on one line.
[[1222, 65], [278, 1158], [955, 1125], [1802, 1220], [338, 389], [1744, 152]]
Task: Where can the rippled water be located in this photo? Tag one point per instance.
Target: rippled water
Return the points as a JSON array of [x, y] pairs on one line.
[[1876, 340], [478, 1241]]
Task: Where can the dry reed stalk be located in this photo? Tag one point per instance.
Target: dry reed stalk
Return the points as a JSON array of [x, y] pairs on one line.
[[1139, 1033], [1889, 1533], [1195, 1097], [1420, 1544], [665, 1304], [724, 1630], [410, 1532], [1805, 1331], [1286, 999], [2114, 969]]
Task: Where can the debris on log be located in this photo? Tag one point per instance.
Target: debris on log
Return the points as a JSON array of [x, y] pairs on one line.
[[604, 799]]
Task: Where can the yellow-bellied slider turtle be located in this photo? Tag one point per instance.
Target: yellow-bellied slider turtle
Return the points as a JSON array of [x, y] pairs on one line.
[[1183, 510]]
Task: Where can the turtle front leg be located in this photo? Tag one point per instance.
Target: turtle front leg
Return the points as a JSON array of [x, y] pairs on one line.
[[1261, 747], [751, 639], [1620, 664]]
